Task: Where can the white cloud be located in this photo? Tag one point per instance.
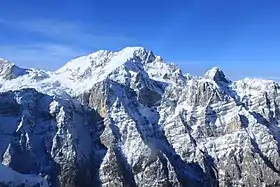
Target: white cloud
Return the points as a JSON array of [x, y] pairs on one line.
[[43, 55], [75, 33], [59, 42]]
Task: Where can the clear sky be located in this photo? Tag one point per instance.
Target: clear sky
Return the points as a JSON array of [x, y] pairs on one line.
[[240, 36]]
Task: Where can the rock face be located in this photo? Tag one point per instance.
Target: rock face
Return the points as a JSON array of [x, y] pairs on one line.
[[50, 137], [129, 119], [10, 71]]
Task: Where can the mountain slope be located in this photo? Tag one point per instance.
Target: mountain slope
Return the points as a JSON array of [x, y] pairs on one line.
[[8, 177], [51, 137], [152, 125]]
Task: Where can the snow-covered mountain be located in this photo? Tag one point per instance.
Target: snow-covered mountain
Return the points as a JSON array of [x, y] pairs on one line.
[[127, 118]]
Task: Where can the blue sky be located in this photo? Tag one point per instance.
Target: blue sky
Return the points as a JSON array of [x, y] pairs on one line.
[[240, 36]]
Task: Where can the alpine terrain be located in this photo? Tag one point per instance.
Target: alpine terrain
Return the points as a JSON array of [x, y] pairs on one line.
[[129, 119]]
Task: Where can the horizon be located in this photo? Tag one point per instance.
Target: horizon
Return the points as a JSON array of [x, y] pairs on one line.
[[241, 38]]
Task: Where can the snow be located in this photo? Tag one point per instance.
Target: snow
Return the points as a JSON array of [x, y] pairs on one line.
[[210, 74], [8, 68], [253, 86], [10, 177], [82, 73]]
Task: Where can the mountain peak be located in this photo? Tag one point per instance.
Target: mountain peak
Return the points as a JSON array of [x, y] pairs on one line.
[[103, 60], [140, 52], [100, 58], [133, 49], [4, 62], [217, 75], [9, 70]]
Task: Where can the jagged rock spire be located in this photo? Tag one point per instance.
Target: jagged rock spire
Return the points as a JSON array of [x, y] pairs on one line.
[[217, 75]]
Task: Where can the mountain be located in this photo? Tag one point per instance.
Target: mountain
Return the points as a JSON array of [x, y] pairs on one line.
[[9, 70], [127, 118], [47, 136]]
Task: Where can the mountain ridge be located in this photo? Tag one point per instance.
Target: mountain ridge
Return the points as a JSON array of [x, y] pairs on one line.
[[89, 72]]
